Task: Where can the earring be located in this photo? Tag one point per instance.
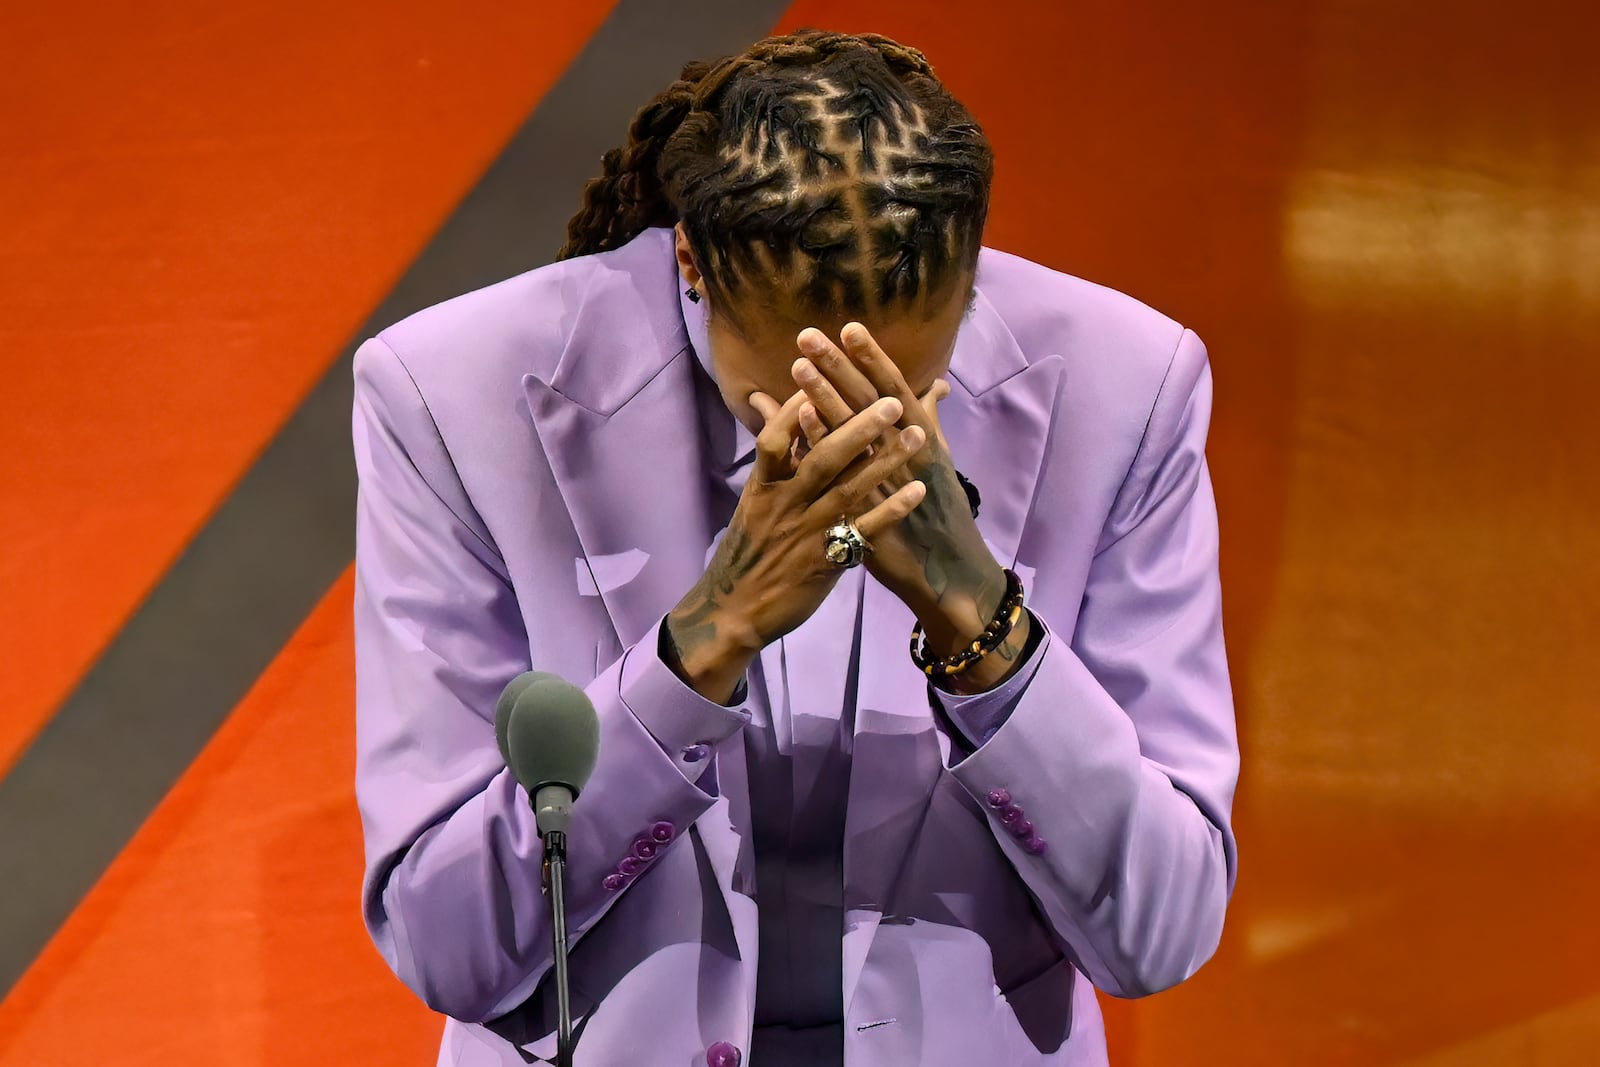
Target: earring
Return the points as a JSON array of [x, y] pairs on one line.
[[693, 294]]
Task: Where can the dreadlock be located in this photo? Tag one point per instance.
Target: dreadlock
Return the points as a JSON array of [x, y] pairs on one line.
[[836, 164]]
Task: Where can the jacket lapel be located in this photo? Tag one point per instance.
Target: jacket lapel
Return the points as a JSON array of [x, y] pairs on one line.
[[643, 513], [622, 436], [998, 420]]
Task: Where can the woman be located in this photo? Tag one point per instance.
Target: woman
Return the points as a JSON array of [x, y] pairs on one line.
[[706, 467]]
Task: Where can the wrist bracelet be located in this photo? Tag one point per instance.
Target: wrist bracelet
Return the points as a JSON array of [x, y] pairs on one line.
[[994, 635]]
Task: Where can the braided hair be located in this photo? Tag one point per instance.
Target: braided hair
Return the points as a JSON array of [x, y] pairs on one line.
[[835, 166]]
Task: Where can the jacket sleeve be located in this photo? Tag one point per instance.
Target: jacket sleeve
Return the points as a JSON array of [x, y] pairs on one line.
[[1121, 753], [451, 894]]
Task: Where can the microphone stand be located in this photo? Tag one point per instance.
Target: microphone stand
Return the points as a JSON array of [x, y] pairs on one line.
[[555, 865]]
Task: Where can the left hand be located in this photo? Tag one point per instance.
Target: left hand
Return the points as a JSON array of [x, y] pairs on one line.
[[934, 560]]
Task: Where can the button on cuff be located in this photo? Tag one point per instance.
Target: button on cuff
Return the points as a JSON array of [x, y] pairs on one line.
[[674, 714]]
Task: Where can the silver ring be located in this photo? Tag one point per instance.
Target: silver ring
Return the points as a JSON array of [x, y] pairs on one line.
[[844, 546]]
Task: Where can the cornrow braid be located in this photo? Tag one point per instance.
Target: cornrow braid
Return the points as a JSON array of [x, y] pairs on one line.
[[835, 166], [627, 198]]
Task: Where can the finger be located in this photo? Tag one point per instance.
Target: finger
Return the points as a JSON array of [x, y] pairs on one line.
[[844, 375], [902, 503], [808, 435], [772, 443], [840, 448], [930, 400], [765, 406], [811, 425], [831, 407], [853, 484], [874, 364]]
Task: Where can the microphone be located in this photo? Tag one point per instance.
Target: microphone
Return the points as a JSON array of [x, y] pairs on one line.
[[552, 740], [549, 734], [502, 710]]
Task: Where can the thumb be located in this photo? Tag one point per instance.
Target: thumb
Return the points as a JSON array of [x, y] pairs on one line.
[[937, 392], [765, 406], [779, 425]]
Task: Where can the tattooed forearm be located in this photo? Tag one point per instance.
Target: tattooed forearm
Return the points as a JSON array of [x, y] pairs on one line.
[[693, 644], [691, 627], [735, 558], [939, 531]]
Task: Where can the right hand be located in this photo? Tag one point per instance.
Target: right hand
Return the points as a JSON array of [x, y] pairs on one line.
[[769, 573]]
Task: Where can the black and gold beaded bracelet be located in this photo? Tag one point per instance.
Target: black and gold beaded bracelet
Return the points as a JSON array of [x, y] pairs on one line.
[[1006, 617]]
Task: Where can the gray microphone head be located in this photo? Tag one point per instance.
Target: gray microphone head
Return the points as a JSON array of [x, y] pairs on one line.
[[552, 743], [502, 707]]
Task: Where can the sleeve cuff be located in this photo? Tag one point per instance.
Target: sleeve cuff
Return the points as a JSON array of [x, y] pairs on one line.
[[979, 716], [686, 725]]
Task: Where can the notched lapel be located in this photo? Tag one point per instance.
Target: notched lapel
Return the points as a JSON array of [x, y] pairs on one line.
[[999, 421], [631, 499], [634, 482]]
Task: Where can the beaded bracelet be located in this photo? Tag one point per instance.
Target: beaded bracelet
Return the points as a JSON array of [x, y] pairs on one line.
[[1006, 617]]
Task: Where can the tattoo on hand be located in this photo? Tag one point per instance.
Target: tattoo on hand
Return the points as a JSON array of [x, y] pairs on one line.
[[692, 628], [947, 566]]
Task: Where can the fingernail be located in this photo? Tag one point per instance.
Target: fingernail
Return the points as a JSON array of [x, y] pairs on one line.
[[811, 341], [911, 437], [889, 407], [803, 370], [853, 333]]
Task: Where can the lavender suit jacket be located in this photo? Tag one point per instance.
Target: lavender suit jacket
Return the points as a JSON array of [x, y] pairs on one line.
[[533, 494]]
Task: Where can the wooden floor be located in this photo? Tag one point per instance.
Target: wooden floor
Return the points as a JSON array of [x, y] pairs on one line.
[[1384, 220]]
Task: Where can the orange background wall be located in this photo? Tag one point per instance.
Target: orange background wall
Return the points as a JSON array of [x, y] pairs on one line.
[[1381, 218]]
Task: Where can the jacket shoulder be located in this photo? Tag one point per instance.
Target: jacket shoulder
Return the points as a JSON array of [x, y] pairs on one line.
[[1098, 330], [541, 322]]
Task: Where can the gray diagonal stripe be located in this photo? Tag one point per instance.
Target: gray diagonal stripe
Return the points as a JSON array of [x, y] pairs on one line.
[[225, 609]]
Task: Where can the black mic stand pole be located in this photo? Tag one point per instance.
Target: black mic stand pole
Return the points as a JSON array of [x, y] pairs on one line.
[[555, 866]]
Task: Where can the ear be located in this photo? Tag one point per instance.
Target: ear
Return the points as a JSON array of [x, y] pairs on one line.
[[687, 267]]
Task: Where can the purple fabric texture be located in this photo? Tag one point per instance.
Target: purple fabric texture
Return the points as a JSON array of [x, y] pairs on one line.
[[534, 494], [794, 758]]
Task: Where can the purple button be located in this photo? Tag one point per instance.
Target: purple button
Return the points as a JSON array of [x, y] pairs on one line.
[[645, 847], [999, 798], [1035, 845], [664, 832], [1011, 814], [612, 882], [722, 1054], [1022, 828], [630, 867], [696, 753]]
